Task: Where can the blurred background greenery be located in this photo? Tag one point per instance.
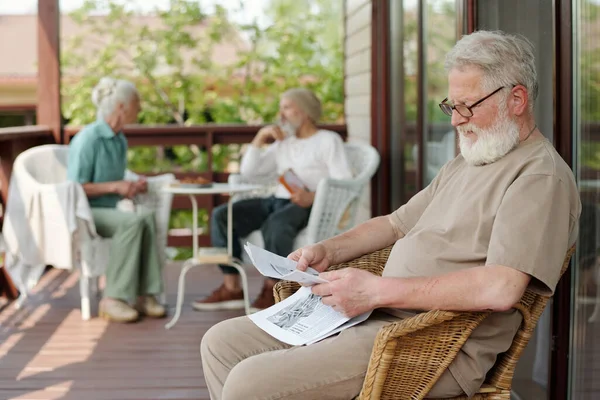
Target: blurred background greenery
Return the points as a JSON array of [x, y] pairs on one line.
[[176, 57]]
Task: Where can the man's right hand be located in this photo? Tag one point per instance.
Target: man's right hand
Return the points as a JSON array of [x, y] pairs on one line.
[[314, 256], [126, 189], [266, 133]]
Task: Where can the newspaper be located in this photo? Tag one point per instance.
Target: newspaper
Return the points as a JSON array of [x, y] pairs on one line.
[[277, 267], [302, 318]]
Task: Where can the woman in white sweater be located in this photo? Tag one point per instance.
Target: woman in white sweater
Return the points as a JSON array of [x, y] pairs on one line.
[[312, 154]]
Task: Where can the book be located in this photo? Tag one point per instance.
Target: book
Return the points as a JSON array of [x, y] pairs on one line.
[[301, 319], [291, 181]]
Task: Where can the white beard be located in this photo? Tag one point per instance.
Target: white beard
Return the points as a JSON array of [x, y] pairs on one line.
[[492, 143], [288, 128]]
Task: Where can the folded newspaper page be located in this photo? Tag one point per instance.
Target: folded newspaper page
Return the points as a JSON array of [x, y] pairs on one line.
[[277, 267], [303, 319]]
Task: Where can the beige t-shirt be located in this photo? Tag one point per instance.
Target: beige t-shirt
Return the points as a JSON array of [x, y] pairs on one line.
[[521, 211]]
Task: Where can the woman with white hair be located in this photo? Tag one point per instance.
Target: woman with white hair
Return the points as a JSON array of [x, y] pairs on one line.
[[97, 160]]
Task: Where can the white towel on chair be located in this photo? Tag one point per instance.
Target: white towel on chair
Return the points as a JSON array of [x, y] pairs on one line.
[[39, 226]]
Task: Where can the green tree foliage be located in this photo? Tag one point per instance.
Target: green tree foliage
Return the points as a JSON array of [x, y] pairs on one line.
[[170, 56], [300, 45]]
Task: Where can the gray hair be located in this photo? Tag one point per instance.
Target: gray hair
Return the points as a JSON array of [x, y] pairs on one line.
[[109, 93], [504, 59]]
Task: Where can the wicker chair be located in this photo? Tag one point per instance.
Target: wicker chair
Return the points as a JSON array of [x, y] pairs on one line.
[[409, 356]]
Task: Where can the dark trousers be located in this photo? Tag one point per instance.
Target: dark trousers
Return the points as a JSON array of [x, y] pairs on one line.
[[279, 221]]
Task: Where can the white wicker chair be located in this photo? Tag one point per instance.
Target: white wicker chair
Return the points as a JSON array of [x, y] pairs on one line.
[[336, 201], [90, 252]]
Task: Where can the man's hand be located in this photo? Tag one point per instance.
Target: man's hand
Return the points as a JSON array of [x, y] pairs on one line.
[[350, 291], [302, 198], [314, 256], [126, 189], [266, 133], [141, 186]]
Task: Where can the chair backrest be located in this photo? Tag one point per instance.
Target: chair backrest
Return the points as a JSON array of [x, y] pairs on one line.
[[336, 205], [364, 160], [531, 307], [46, 164]]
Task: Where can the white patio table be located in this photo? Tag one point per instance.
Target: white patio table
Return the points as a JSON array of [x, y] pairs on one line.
[[197, 260]]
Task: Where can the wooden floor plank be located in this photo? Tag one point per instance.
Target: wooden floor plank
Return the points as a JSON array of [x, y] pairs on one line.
[[48, 352]]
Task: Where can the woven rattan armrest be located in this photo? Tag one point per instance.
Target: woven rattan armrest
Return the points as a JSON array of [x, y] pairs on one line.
[[409, 356]]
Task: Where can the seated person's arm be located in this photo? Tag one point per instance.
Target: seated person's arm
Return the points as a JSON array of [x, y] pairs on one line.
[[258, 162], [81, 169], [529, 240], [125, 189], [495, 288]]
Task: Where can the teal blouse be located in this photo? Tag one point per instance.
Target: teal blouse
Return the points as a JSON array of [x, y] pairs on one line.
[[96, 155]]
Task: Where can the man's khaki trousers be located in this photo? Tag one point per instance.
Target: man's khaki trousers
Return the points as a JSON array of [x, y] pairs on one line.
[[241, 361], [133, 267]]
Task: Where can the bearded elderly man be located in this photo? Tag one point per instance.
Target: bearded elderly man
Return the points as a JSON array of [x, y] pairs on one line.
[[496, 220], [312, 154]]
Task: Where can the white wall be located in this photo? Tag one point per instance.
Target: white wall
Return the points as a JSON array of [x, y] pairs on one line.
[[357, 46]]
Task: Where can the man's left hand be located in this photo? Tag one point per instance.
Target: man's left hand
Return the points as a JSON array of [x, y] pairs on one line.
[[302, 198], [350, 291]]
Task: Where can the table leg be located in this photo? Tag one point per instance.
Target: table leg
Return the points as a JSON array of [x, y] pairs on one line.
[[194, 226], [189, 264], [233, 263], [240, 268]]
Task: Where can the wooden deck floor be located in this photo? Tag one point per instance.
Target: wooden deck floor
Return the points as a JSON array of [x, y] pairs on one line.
[[48, 352]]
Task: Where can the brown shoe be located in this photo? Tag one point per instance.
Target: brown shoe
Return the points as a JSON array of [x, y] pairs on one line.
[[265, 299], [221, 299], [147, 305]]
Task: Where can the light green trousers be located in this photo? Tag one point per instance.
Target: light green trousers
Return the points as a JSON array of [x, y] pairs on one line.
[[134, 268]]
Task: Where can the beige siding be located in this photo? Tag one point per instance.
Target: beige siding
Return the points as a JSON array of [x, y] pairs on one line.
[[358, 62], [358, 41], [359, 128], [359, 19], [359, 106], [353, 5], [357, 48]]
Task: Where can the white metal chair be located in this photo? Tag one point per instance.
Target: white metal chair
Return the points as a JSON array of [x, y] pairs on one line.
[[336, 201], [92, 251]]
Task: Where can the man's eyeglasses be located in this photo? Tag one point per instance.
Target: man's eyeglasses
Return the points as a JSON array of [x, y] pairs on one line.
[[462, 109]]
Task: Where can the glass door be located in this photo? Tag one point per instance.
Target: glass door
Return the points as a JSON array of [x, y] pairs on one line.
[[585, 312], [421, 33]]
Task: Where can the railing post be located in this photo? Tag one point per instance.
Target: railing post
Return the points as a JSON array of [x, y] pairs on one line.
[[48, 90]]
